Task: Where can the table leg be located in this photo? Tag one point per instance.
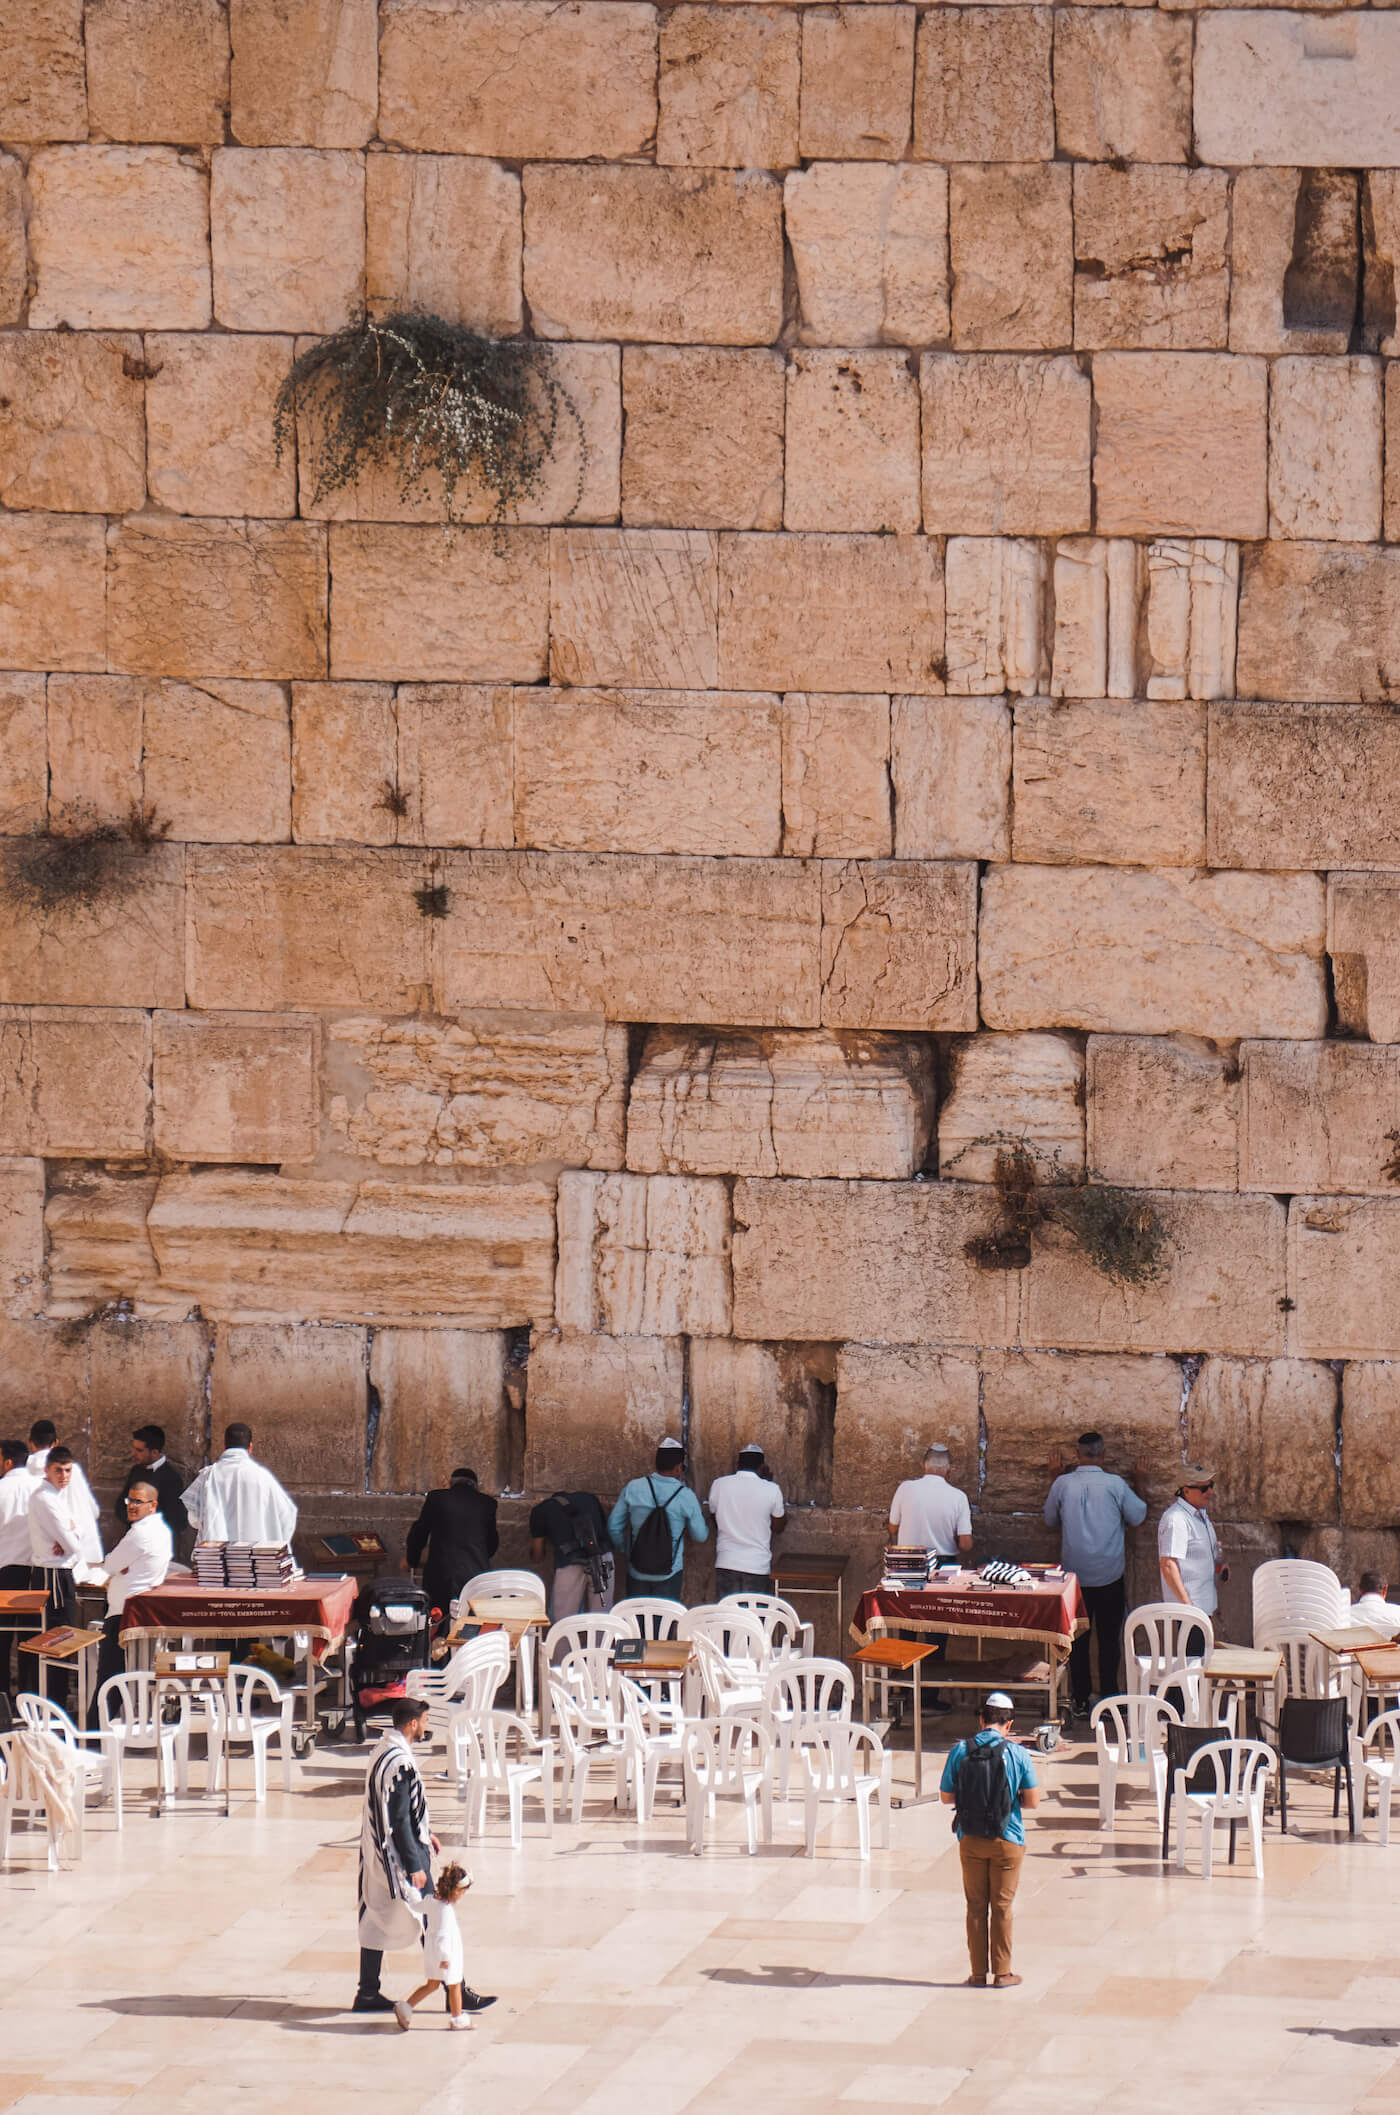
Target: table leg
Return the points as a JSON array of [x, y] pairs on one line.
[[918, 1732], [43, 1674], [864, 1695]]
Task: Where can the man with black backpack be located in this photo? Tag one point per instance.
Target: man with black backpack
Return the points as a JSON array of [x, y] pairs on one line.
[[649, 1524], [573, 1525], [987, 1781]]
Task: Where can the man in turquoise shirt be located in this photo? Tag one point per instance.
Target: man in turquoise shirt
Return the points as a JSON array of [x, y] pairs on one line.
[[637, 1500], [991, 1865]]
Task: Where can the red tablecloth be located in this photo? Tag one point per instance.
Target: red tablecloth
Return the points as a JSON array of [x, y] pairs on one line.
[[1051, 1614], [318, 1607]]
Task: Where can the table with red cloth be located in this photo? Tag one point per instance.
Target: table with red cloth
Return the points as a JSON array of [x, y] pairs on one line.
[[317, 1609], [1047, 1616]]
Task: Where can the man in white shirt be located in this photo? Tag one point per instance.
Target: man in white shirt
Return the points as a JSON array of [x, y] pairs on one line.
[[41, 1438], [237, 1500], [1188, 1551], [141, 1559], [748, 1510], [16, 1490], [930, 1513], [62, 1533], [1370, 1606]]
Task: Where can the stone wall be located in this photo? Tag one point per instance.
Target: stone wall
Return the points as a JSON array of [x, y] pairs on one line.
[[948, 699]]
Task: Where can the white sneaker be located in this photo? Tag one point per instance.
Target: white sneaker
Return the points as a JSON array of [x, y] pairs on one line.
[[404, 2015], [462, 2024]]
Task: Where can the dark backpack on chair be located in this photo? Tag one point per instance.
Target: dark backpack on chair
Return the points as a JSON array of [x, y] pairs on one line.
[[982, 1797], [653, 1544]]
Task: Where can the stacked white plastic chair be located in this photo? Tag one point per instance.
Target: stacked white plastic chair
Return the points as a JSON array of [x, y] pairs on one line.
[[467, 1680], [100, 1754], [1155, 1657], [1292, 1598], [522, 1586], [1241, 1771], [1127, 1734], [788, 1636], [730, 1754]]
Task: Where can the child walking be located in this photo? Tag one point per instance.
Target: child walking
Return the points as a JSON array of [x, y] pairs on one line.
[[442, 1951]]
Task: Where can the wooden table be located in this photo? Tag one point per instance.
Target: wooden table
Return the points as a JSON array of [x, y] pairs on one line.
[[1380, 1672], [1047, 1615], [1245, 1667], [1341, 1642], [22, 1610], [525, 1621], [892, 1658], [68, 1644], [795, 1574]]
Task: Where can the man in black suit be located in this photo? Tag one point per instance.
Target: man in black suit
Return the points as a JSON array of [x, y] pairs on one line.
[[149, 1465], [457, 1527]]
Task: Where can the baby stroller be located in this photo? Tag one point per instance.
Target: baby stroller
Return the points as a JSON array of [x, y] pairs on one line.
[[394, 1627]]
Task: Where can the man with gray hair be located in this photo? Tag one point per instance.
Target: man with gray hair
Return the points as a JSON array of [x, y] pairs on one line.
[[928, 1512], [1091, 1508]]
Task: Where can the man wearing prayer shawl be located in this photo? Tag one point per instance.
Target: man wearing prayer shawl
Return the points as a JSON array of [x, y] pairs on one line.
[[396, 1850], [237, 1500]]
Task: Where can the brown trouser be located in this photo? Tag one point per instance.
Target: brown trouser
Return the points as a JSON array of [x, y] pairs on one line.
[[990, 1869]]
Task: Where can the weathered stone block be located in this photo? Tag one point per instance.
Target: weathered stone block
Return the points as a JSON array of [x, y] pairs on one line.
[[14, 249], [1303, 785], [1321, 1116], [891, 1403], [74, 1080], [1363, 940], [857, 82], [634, 606], [728, 87], [344, 762], [1123, 86], [1036, 1403], [217, 598], [305, 926], [780, 1103], [1002, 1090], [998, 615], [1149, 952], [126, 948], [682, 256], [157, 70], [1005, 444], [1192, 598], [1319, 621], [870, 249], [41, 67], [443, 238], [836, 776], [1163, 1113], [98, 1248], [1274, 87], [120, 239], [302, 1388], [95, 745], [1150, 257], [598, 1408], [52, 591], [830, 613], [1117, 781], [1325, 449], [1304, 303], [442, 1401], [217, 760], [483, 1091], [982, 92], [783, 1393], [288, 232], [1392, 457], [1269, 1426], [852, 442], [24, 788], [455, 763], [704, 437], [433, 604], [1370, 1483], [1343, 1255], [235, 1087], [1182, 444], [525, 79], [951, 765], [100, 1380], [1011, 247], [209, 424], [899, 944], [643, 1255], [305, 72]]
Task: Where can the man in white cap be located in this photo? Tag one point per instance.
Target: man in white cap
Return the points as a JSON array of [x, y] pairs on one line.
[[748, 1510], [987, 1781], [649, 1524]]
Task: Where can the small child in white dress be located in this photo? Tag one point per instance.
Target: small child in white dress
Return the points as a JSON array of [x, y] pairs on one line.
[[442, 1951]]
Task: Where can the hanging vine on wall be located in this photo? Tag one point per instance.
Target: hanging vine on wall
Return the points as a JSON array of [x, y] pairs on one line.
[[1119, 1232], [75, 867], [420, 396]]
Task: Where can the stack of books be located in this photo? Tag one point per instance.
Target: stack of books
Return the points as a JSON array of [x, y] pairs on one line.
[[239, 1558], [906, 1565], [209, 1563], [274, 1565]]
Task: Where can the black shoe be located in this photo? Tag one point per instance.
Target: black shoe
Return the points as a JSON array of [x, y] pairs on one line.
[[1078, 1710], [371, 2001], [471, 2002]]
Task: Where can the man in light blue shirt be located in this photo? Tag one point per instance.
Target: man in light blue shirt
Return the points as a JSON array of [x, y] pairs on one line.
[[991, 1834], [1091, 1510], [636, 1503]]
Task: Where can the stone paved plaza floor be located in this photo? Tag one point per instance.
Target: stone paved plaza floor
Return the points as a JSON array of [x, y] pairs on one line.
[[202, 1964]]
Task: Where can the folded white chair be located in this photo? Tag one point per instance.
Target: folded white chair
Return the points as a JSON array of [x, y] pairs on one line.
[[100, 1754]]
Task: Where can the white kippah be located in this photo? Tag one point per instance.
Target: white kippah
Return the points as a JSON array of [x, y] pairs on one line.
[[669, 1446], [1000, 1698]]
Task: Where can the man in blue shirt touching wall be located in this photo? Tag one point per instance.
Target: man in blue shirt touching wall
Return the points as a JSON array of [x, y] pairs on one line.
[[630, 1517], [1091, 1509]]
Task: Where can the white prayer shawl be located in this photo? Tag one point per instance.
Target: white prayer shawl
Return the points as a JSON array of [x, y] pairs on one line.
[[63, 1532], [237, 1500], [390, 1911], [16, 1490]]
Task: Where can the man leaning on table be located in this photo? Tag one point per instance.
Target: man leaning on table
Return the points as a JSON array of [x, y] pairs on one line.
[[1091, 1508], [141, 1559]]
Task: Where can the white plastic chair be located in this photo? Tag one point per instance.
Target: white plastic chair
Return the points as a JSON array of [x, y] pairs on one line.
[[739, 1636], [468, 1680], [649, 1616], [788, 1636], [654, 1735], [727, 1688], [498, 1751], [99, 1753], [1376, 1761], [1241, 1770], [1127, 1734], [583, 1746], [801, 1696], [831, 1755], [731, 1754], [593, 1633], [1290, 1594], [529, 1586], [238, 1705], [1154, 1646], [126, 1708], [22, 1794]]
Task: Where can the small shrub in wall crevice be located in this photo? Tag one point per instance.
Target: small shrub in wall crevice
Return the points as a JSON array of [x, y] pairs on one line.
[[76, 867]]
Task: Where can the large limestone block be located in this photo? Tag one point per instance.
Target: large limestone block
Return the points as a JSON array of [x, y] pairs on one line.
[[1150, 257], [1157, 620], [728, 87], [217, 760], [1118, 781], [1264, 215], [899, 944], [345, 762], [1163, 1113], [648, 771], [1363, 941], [433, 604], [305, 72], [217, 598], [682, 256], [1319, 620], [1325, 449], [982, 92], [72, 431], [525, 79], [1269, 1427], [1392, 455], [704, 437], [1182, 444], [52, 591], [633, 606], [597, 1408], [288, 232], [1152, 951], [443, 238], [779, 1395], [1036, 1403], [238, 1087], [1011, 250], [120, 239], [1343, 1267], [1123, 86], [1370, 1481], [1221, 1283], [893, 1401], [262, 1247], [484, 1091], [735, 941], [830, 613], [95, 748], [1321, 1116], [126, 948], [23, 755], [41, 68], [209, 424], [14, 253], [781, 1103], [951, 766], [305, 926], [852, 442], [99, 1380], [1025, 1091], [643, 1255], [98, 1248], [455, 763], [857, 82], [442, 1402], [74, 1080], [302, 1388], [1303, 785], [158, 70], [880, 1262], [1005, 444], [870, 249], [836, 778], [998, 615], [1279, 88]]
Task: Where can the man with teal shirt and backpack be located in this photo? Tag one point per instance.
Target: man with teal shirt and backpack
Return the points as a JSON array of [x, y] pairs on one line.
[[987, 1781], [649, 1523]]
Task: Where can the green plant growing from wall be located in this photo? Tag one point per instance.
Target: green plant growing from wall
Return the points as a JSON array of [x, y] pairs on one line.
[[1119, 1232], [76, 867]]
